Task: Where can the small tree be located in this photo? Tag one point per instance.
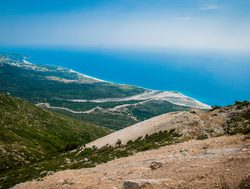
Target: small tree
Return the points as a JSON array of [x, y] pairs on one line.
[[130, 142], [118, 142]]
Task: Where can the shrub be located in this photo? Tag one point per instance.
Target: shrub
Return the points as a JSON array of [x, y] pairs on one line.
[[129, 142], [86, 152], [202, 137], [215, 108], [71, 146], [118, 142]]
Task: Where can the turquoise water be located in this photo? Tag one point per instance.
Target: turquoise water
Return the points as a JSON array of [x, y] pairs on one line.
[[211, 78]]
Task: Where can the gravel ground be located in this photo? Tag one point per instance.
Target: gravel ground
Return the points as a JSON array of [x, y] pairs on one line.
[[211, 163]]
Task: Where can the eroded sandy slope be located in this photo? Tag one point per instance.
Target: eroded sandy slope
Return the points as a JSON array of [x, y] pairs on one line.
[[189, 124]]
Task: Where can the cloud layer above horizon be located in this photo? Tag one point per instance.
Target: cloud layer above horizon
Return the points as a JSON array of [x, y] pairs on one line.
[[219, 25]]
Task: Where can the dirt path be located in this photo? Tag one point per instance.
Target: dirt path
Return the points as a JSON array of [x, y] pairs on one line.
[[195, 164]]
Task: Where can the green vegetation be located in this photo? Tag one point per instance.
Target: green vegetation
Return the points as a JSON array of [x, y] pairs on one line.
[[154, 108], [239, 121], [202, 137], [33, 85], [30, 134], [240, 105], [39, 84], [89, 157], [215, 108], [114, 121], [88, 105], [119, 120]]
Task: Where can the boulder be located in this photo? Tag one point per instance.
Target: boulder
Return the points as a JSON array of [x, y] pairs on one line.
[[135, 184], [155, 165]]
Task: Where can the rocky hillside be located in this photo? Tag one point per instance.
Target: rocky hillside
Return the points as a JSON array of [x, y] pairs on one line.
[[221, 162], [193, 124], [209, 128], [188, 124], [30, 134], [71, 93]]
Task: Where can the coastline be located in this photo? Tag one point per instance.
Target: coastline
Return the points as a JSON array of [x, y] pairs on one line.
[[199, 103]]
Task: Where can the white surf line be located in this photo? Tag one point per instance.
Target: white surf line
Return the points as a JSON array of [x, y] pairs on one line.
[[87, 76], [31, 65], [172, 97], [26, 62], [196, 101]]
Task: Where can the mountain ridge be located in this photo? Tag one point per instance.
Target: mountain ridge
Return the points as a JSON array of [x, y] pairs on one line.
[[180, 122], [192, 124]]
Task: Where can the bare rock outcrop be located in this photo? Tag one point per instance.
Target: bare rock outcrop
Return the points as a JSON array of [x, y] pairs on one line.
[[156, 165]]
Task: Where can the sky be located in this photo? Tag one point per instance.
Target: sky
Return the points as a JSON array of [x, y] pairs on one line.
[[217, 25]]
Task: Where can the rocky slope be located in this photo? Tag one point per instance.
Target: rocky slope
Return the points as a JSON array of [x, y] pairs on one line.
[[202, 163], [220, 162], [197, 124], [189, 124]]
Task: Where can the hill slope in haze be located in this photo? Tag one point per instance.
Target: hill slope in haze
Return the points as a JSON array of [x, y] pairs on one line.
[[103, 103], [30, 134]]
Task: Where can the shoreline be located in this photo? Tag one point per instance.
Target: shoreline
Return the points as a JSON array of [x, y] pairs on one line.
[[25, 61]]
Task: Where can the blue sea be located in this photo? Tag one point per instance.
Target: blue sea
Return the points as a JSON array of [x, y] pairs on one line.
[[213, 78]]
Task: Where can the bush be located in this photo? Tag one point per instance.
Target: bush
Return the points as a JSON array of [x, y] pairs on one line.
[[86, 152], [129, 142], [118, 142], [215, 108], [71, 146], [240, 105], [202, 137]]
